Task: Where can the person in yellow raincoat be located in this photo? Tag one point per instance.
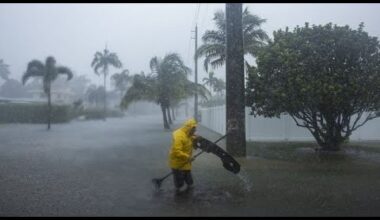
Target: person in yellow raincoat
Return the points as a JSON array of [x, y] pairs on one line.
[[180, 154]]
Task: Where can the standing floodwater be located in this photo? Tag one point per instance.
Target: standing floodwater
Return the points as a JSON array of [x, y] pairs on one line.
[[106, 168]]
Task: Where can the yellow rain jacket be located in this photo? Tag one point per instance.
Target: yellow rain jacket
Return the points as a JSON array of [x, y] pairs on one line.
[[182, 146]]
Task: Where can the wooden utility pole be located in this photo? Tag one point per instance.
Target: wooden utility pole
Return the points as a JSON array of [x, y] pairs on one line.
[[196, 74], [235, 94]]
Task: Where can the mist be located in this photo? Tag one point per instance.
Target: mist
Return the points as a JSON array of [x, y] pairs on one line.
[[76, 143], [137, 32]]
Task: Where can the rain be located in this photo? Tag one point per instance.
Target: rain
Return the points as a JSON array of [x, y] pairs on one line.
[[94, 99]]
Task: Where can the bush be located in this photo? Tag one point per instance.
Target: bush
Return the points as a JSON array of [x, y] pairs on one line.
[[33, 113]]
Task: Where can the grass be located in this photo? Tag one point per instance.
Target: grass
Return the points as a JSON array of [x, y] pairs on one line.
[[291, 179], [345, 183]]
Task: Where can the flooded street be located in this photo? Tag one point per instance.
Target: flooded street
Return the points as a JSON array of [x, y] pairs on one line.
[[96, 168]]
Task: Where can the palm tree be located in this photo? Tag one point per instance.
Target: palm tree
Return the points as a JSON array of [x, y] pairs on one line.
[[219, 86], [210, 80], [49, 72], [170, 71], [4, 70], [95, 95], [214, 41], [121, 81], [12, 88], [165, 85], [103, 61]]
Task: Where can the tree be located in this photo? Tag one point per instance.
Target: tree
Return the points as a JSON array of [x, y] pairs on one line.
[[95, 95], [145, 87], [210, 80], [121, 81], [4, 70], [48, 72], [219, 86], [327, 78], [104, 61], [165, 85], [214, 41], [13, 89]]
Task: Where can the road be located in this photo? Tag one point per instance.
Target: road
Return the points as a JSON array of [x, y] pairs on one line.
[[97, 168]]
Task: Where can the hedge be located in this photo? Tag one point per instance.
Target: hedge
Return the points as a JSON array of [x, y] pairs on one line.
[[33, 113]]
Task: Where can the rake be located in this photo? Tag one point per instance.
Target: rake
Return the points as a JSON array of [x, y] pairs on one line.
[[158, 181]]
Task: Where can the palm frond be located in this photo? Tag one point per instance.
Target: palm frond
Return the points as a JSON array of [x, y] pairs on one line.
[[203, 91], [220, 20], [113, 59], [34, 68], [206, 49], [211, 36], [153, 64], [65, 71], [97, 57], [143, 88], [218, 62], [97, 67], [214, 41], [190, 88]]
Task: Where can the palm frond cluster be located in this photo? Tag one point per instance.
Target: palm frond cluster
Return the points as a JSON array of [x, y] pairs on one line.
[[217, 85], [214, 41], [49, 72], [167, 85]]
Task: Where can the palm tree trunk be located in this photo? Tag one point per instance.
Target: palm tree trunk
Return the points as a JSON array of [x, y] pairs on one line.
[[166, 124], [235, 109], [49, 105], [105, 96], [169, 117], [187, 109], [121, 95], [173, 113]]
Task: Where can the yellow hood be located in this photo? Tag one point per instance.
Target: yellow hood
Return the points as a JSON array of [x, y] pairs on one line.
[[188, 125]]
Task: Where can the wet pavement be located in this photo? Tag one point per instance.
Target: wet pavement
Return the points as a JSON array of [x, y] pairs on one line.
[[97, 168]]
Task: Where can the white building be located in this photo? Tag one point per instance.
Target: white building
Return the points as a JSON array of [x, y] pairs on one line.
[[58, 95]]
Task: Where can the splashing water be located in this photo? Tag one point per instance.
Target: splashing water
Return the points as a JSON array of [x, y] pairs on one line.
[[244, 177]]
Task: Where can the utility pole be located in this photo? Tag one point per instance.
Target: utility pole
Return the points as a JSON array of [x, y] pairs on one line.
[[196, 74], [235, 94]]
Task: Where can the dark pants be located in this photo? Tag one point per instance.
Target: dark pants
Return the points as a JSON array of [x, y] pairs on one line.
[[182, 176]]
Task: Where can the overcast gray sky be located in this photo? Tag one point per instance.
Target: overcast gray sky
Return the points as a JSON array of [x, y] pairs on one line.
[[137, 32]]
